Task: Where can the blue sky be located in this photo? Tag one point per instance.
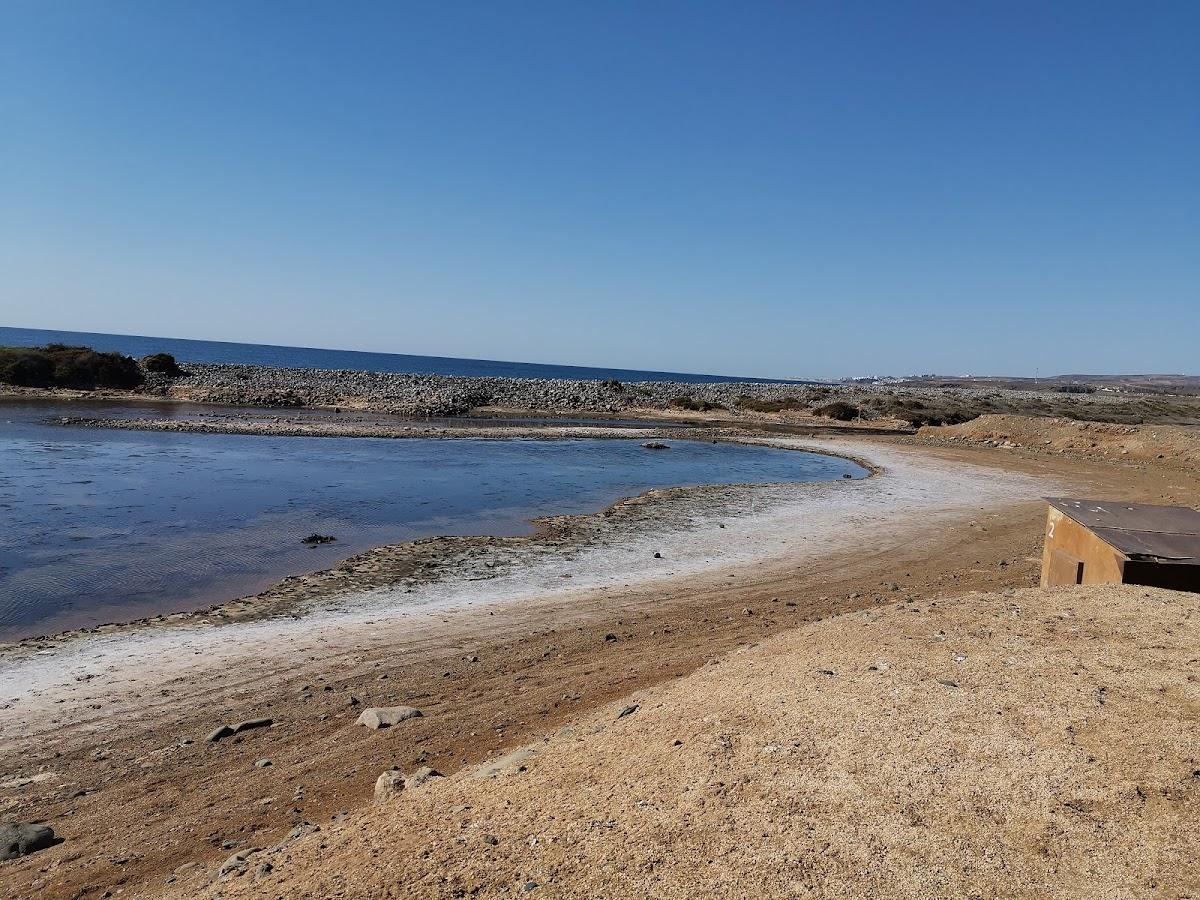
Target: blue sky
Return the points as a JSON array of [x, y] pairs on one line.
[[802, 188]]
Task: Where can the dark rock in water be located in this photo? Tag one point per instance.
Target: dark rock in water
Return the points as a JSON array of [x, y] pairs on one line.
[[847, 475], [21, 839], [314, 539], [656, 445]]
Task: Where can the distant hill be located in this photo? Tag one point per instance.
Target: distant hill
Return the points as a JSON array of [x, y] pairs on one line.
[[1134, 384]]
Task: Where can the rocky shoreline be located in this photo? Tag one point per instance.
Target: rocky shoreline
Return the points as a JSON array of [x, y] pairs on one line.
[[433, 396], [410, 565]]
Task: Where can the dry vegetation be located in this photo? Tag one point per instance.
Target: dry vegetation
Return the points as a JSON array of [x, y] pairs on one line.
[[1020, 744]]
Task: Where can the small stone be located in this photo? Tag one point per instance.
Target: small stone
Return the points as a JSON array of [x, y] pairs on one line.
[[252, 723], [262, 764], [491, 840], [386, 716], [627, 711], [421, 776], [610, 637], [658, 556], [217, 734], [529, 886]]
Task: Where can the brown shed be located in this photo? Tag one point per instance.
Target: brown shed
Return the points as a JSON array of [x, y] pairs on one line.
[[1103, 541]]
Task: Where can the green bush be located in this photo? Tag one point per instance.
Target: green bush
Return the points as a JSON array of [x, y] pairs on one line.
[[57, 365], [163, 364], [745, 401], [839, 410], [687, 402]]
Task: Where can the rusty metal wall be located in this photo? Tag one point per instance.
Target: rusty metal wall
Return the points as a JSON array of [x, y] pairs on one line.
[[1101, 563]]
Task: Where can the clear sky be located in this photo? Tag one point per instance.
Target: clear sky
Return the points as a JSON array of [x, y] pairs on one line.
[[792, 188]]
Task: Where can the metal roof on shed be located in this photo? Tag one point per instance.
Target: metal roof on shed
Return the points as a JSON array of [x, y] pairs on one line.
[[1139, 530]]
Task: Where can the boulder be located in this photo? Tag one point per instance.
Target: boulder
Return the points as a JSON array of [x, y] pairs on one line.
[[387, 716], [21, 839], [388, 785]]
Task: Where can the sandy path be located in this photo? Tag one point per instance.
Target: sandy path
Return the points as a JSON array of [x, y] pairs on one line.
[[490, 662]]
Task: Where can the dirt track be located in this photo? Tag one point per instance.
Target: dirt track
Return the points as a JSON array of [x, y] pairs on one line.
[[135, 804]]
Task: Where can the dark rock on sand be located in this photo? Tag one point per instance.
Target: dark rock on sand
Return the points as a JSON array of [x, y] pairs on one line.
[[229, 730], [22, 838]]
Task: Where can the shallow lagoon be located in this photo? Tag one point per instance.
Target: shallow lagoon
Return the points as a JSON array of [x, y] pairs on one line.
[[110, 525]]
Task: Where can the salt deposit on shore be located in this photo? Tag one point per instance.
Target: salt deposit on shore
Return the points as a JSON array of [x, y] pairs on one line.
[[734, 528]]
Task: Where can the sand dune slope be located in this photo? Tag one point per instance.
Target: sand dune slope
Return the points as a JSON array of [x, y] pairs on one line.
[[1032, 743]]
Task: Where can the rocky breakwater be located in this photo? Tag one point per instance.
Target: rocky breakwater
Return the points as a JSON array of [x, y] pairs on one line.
[[450, 395]]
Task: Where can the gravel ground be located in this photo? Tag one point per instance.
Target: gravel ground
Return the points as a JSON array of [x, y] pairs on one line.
[[1021, 744]]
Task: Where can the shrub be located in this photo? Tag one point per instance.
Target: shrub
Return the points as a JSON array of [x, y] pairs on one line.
[[162, 363], [1075, 389], [956, 417], [839, 410], [57, 365], [745, 401], [687, 402]]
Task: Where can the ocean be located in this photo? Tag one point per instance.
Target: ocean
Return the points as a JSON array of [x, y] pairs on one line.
[[354, 360]]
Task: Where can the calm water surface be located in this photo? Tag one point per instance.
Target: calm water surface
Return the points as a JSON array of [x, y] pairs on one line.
[[354, 360], [108, 525]]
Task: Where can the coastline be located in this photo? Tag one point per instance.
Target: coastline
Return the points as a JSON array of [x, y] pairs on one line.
[[106, 737], [653, 539], [435, 559]]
